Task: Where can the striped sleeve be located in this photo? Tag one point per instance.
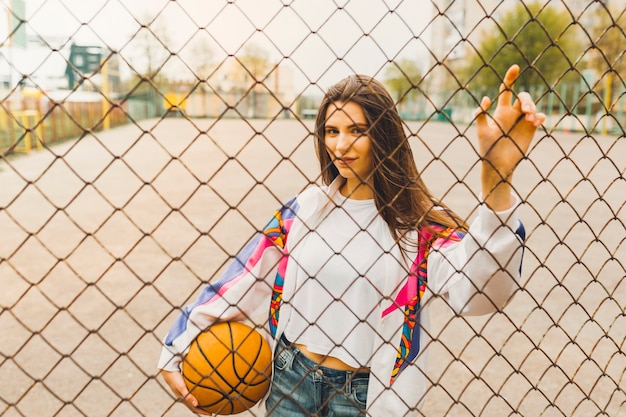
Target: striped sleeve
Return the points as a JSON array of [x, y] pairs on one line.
[[243, 288]]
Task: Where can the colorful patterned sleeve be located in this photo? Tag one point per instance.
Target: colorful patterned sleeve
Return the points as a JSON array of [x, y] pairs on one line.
[[245, 286]]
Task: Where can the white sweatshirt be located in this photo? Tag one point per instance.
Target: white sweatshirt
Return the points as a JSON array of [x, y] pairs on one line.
[[476, 273]]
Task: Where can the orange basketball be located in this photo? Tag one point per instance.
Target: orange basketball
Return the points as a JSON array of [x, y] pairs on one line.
[[228, 368]]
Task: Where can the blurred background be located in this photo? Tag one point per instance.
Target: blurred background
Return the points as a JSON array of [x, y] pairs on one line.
[[144, 142], [102, 63]]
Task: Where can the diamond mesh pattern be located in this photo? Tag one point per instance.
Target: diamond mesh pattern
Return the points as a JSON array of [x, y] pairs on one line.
[[122, 195]]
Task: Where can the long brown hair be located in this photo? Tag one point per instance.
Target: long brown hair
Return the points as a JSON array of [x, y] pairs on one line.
[[402, 198]]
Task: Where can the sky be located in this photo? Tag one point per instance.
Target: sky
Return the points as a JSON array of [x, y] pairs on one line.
[[321, 40]]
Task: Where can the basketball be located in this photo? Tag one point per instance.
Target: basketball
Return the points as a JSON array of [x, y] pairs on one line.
[[228, 368]]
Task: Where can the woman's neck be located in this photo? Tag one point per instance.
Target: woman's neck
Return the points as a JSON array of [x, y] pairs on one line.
[[356, 189]]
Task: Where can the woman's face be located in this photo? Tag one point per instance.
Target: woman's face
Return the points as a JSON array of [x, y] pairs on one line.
[[347, 142]]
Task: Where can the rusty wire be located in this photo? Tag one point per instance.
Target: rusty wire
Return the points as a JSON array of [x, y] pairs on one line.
[[109, 230]]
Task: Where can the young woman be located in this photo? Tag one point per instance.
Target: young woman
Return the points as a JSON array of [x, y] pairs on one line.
[[345, 270]]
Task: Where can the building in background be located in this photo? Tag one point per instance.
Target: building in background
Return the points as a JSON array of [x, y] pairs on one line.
[[12, 42], [27, 60]]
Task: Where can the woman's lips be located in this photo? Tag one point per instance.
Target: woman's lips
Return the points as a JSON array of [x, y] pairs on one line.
[[345, 161]]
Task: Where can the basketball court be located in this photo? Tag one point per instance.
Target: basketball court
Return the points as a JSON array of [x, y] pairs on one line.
[[103, 239]]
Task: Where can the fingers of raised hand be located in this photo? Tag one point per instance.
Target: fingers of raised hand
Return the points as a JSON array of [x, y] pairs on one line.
[[506, 88], [525, 104], [536, 119], [481, 114], [485, 104]]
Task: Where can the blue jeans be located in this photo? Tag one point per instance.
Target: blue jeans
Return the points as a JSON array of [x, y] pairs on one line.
[[302, 388]]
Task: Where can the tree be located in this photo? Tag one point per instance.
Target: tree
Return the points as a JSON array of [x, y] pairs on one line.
[[401, 77], [608, 45], [148, 46], [256, 64], [151, 50], [200, 58], [538, 37]]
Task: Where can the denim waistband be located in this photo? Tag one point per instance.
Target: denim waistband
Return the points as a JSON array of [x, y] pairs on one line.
[[336, 375]]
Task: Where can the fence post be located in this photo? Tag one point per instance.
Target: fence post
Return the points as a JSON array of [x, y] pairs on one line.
[[589, 112], [607, 100], [106, 121], [619, 116], [30, 134]]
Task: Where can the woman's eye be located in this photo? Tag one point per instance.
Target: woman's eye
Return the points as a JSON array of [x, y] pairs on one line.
[[332, 131]]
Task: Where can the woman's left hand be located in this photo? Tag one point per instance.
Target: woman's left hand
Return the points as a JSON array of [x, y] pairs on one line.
[[504, 139]]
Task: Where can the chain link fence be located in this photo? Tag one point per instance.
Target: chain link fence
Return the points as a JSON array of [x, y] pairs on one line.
[[143, 143]]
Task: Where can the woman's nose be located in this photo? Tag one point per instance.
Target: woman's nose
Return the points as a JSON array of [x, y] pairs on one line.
[[343, 143]]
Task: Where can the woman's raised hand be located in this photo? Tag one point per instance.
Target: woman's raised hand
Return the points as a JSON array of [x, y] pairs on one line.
[[504, 139]]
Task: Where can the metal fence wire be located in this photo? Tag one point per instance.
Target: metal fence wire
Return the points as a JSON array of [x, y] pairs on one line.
[[144, 143]]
